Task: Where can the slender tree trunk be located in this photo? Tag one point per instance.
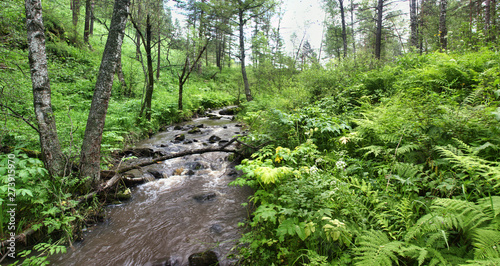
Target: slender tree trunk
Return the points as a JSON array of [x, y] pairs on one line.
[[91, 148], [344, 34], [119, 73], [443, 31], [487, 20], [352, 29], [186, 71], [248, 92], [49, 142], [413, 24], [88, 14], [158, 59], [421, 26], [76, 13], [150, 86], [92, 18], [137, 34], [493, 27], [378, 34]]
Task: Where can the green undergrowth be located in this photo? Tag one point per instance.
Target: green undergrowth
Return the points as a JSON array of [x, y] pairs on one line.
[[395, 165]]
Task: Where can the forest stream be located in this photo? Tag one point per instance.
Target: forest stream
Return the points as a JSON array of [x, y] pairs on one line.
[[187, 209]]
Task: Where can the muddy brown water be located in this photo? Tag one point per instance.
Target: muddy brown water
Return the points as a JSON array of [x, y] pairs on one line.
[[191, 210]]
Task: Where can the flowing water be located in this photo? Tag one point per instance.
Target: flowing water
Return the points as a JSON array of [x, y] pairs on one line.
[[192, 209]]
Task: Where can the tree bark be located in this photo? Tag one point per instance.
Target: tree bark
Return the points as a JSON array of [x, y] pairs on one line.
[[91, 148], [88, 14], [413, 24], [493, 26], [92, 18], [487, 20], [146, 106], [378, 34], [344, 34], [76, 12], [248, 92], [120, 75], [49, 142], [443, 31]]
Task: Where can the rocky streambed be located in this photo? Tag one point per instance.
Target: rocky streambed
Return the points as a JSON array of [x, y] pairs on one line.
[[185, 215]]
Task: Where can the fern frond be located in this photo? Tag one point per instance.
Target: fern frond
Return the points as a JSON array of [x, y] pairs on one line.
[[407, 148], [486, 243], [490, 205], [449, 214], [375, 248], [373, 149], [474, 97], [490, 262]]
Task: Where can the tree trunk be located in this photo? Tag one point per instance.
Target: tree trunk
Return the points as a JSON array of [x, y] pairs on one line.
[[76, 13], [119, 73], [137, 34], [344, 34], [487, 20], [150, 86], [493, 26], [91, 148], [92, 18], [443, 31], [352, 29], [248, 93], [158, 62], [49, 142], [88, 14], [413, 24], [378, 34]]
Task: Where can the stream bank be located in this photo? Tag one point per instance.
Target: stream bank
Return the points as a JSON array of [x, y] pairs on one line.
[[184, 214]]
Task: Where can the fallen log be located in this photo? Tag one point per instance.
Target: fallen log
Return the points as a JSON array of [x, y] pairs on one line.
[[19, 238], [180, 154]]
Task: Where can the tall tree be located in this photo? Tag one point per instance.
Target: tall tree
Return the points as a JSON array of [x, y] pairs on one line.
[[91, 148], [378, 33], [413, 24], [52, 155], [75, 7], [88, 15], [245, 11], [443, 30], [331, 6]]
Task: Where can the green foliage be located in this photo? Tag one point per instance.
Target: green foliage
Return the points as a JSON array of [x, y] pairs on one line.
[[396, 166]]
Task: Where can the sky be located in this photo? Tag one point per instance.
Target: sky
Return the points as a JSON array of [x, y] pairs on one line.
[[305, 18], [300, 16]]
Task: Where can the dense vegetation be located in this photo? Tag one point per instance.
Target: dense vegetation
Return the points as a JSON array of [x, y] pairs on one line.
[[396, 165], [372, 158]]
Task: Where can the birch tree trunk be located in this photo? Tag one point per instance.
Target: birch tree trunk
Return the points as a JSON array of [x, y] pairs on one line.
[[91, 149], [49, 142]]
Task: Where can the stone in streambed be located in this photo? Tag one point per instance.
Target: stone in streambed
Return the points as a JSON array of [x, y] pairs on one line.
[[168, 261], [205, 197], [216, 229], [156, 173], [125, 194], [214, 139], [207, 258], [179, 137], [194, 130]]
